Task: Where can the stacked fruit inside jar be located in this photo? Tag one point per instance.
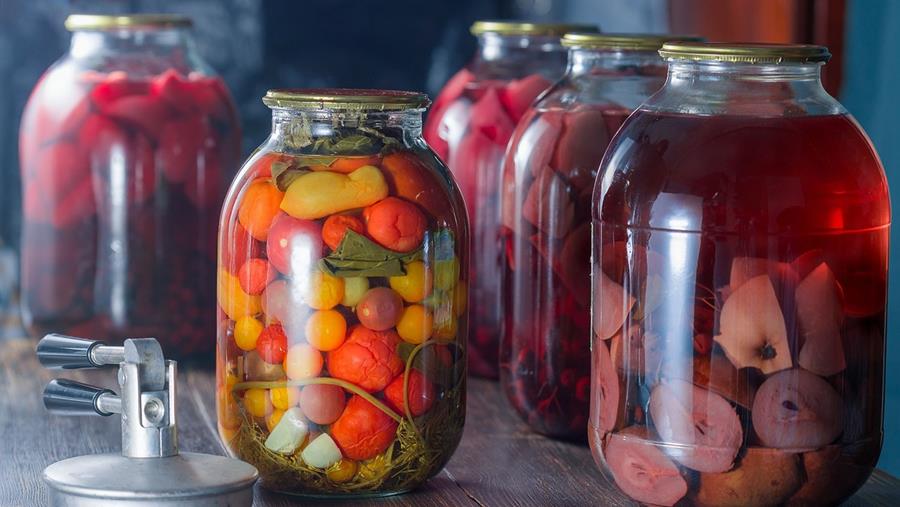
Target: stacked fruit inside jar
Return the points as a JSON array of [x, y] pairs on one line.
[[470, 126], [123, 177], [772, 400], [342, 295], [548, 181]]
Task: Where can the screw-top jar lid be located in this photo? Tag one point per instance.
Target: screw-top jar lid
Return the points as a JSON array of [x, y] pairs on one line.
[[622, 41], [525, 28], [745, 53], [346, 98], [77, 22]]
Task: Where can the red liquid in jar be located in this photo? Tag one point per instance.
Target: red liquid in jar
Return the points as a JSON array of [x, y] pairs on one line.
[[470, 132], [739, 308], [122, 180], [548, 183]]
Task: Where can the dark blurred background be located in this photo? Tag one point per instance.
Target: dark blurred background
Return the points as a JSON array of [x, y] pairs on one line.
[[415, 44]]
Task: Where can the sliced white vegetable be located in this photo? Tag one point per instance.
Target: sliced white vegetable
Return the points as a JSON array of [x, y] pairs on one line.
[[289, 433], [321, 452]]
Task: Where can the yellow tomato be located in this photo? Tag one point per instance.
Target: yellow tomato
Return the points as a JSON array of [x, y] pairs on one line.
[[273, 419], [257, 403], [284, 398], [416, 324], [325, 291], [234, 301], [246, 332], [445, 322], [326, 329], [303, 361], [415, 285], [342, 471], [460, 298]]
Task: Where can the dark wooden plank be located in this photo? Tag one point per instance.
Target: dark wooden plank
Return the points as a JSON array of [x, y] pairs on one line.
[[498, 463]]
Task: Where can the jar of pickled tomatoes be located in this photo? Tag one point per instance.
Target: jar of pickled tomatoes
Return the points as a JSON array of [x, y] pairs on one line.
[[547, 182], [740, 244], [469, 127], [126, 147], [342, 298]]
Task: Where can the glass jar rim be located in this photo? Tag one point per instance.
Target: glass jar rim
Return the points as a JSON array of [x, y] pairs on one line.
[[357, 99], [753, 53], [525, 28], [76, 22], [623, 41]]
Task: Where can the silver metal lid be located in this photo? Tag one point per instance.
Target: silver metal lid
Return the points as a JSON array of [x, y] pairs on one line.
[[185, 479]]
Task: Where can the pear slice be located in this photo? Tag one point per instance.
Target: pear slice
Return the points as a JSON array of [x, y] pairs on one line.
[[764, 477], [751, 328], [820, 313], [641, 470], [611, 307]]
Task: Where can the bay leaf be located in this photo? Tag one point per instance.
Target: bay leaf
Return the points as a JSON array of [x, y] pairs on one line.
[[284, 173], [357, 255]]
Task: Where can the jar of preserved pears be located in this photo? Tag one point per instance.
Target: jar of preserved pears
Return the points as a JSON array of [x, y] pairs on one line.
[[741, 224], [126, 147], [547, 182], [469, 127], [342, 298]]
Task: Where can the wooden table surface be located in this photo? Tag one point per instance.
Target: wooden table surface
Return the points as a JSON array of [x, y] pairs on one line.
[[499, 462]]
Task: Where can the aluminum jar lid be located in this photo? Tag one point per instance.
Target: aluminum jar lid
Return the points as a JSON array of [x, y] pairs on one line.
[[77, 22], [525, 28], [623, 41], [759, 53], [346, 99]]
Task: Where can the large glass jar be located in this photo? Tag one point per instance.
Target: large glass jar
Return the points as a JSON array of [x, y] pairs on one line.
[[547, 182], [469, 127], [741, 222], [342, 298], [126, 147]]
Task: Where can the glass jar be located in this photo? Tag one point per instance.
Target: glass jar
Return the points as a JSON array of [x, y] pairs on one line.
[[741, 224], [342, 293], [126, 146], [547, 182], [469, 127]]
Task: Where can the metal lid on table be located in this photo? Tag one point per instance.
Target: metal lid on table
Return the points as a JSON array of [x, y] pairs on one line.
[[150, 469]]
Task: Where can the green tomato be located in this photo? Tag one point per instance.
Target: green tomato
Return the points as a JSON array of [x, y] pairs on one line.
[[354, 288]]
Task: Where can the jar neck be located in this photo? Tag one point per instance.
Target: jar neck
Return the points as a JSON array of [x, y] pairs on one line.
[[586, 62], [292, 122], [744, 88], [514, 56], [138, 51]]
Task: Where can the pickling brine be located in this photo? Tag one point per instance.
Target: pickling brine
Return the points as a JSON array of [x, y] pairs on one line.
[[342, 299], [740, 278]]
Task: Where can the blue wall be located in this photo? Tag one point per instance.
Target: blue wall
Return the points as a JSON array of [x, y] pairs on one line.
[[871, 92]]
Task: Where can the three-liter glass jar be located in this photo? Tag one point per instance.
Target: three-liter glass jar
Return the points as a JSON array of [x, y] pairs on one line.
[[126, 149], [469, 127], [342, 298], [740, 248], [547, 183]]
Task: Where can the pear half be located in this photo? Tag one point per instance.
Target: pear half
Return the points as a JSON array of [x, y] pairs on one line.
[[752, 331]]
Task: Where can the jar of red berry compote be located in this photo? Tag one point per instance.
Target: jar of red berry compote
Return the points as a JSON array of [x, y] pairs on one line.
[[469, 127], [126, 147], [547, 182], [740, 243]]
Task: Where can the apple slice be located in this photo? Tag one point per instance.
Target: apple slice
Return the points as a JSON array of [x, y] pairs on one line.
[[820, 313], [548, 205], [718, 375], [743, 269], [831, 478], [611, 306], [641, 470], [752, 331], [797, 410], [574, 266], [700, 429], [607, 387], [764, 477]]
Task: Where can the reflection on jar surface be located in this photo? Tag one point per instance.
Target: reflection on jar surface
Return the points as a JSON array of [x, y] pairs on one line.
[[469, 127], [546, 188], [342, 299], [740, 274], [126, 147]]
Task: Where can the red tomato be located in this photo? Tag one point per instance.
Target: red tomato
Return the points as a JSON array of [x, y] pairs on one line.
[[363, 431], [293, 243], [272, 344], [421, 394]]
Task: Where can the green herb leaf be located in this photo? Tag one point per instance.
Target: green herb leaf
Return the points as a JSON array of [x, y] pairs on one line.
[[357, 255]]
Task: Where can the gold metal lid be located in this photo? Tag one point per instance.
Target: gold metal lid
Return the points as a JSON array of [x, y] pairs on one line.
[[525, 28], [624, 41], [77, 22], [345, 98], [745, 53]]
